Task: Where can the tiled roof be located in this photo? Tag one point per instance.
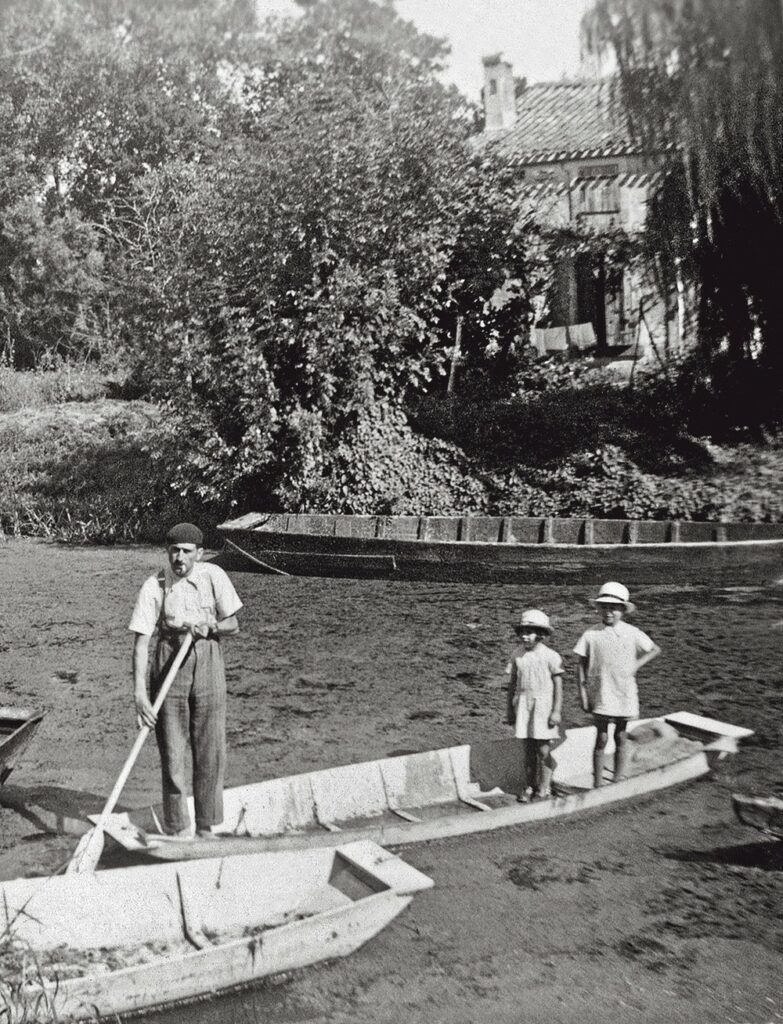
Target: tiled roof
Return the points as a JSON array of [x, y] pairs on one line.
[[566, 121]]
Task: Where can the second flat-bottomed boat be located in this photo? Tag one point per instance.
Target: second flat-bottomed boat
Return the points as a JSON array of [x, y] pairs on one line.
[[507, 549]]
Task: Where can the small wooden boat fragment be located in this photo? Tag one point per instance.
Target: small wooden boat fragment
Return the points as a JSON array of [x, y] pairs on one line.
[[436, 793], [17, 728], [507, 549], [764, 813], [84, 946]]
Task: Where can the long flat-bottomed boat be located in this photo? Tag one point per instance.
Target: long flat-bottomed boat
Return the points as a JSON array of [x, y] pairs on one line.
[[434, 794], [507, 549], [89, 946]]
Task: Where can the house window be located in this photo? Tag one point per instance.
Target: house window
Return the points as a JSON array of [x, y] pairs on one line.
[[598, 196], [493, 87], [599, 171]]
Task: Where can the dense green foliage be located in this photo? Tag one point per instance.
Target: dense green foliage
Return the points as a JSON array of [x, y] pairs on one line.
[[703, 84], [72, 471], [271, 232], [276, 229]]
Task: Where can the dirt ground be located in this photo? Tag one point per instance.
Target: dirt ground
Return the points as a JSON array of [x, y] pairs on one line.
[[664, 910]]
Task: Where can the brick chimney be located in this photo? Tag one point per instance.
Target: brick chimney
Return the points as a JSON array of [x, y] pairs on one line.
[[500, 105]]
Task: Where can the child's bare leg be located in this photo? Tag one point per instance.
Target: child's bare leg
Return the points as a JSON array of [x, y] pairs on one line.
[[601, 738], [545, 766], [531, 763], [622, 750]]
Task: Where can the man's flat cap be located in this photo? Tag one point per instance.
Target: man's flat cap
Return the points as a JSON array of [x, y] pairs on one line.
[[185, 533]]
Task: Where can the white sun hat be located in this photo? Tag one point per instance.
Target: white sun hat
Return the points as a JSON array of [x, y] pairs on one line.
[[534, 618], [615, 593]]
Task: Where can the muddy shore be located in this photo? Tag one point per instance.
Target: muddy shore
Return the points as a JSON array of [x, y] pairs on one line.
[[667, 910]]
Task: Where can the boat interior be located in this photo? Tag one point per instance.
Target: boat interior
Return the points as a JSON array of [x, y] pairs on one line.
[[467, 779], [205, 902]]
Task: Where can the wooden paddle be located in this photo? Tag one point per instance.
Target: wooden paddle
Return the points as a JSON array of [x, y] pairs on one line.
[[88, 852]]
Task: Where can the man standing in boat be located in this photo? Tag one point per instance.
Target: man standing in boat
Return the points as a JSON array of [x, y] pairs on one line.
[[196, 598]]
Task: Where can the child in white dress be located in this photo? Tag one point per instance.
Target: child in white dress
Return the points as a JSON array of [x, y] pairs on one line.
[[535, 700], [609, 658]]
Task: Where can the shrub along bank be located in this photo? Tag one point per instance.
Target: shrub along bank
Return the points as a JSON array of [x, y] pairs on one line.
[[81, 472], [97, 472]]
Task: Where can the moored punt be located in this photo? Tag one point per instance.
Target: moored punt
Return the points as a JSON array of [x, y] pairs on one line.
[[507, 549], [83, 946], [437, 793], [764, 813], [17, 728]]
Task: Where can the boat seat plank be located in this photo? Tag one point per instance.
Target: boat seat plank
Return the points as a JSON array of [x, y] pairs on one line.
[[715, 735], [373, 860], [686, 720]]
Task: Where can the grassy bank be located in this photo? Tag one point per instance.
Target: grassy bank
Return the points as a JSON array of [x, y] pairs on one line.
[[84, 470], [81, 472]]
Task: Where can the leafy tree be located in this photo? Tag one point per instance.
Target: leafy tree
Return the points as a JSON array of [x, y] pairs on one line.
[[703, 81], [282, 222], [95, 95], [324, 256], [51, 286]]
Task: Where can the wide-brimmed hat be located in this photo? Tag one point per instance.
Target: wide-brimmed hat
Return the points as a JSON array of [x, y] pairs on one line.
[[615, 593], [535, 619]]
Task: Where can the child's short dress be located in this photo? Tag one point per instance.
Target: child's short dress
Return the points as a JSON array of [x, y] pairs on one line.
[[532, 676], [612, 653]]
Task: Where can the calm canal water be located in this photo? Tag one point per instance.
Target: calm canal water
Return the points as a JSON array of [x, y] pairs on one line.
[[333, 671]]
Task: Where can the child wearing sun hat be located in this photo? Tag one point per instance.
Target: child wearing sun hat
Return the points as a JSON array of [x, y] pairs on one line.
[[610, 655], [535, 698]]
